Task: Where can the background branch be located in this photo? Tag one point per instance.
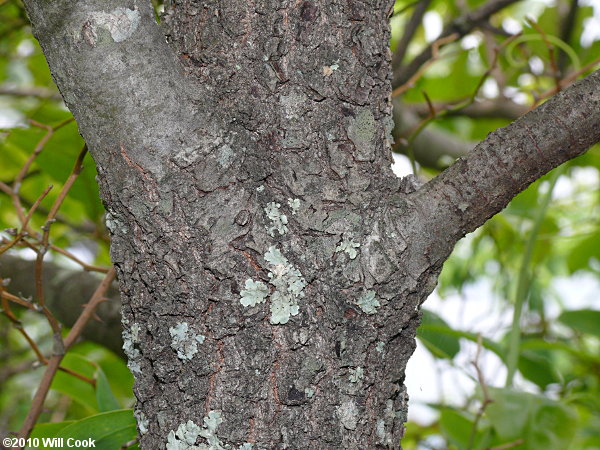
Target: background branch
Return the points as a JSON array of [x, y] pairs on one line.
[[461, 26]]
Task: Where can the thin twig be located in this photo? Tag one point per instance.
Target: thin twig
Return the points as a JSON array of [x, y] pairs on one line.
[[508, 445], [17, 324], [33, 208], [409, 32], [484, 390], [55, 360], [461, 25], [566, 81], [435, 47], [566, 32], [50, 219], [551, 54], [87, 267]]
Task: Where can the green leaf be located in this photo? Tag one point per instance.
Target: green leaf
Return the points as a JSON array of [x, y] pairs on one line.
[[509, 412], [580, 255], [109, 430], [552, 426], [456, 426], [436, 335], [583, 320], [78, 390], [104, 395], [113, 366], [540, 422], [537, 367], [48, 430]]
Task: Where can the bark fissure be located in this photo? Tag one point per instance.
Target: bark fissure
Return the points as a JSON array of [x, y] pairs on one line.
[[255, 145]]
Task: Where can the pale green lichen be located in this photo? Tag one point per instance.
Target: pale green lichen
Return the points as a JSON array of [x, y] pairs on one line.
[[348, 246], [120, 23], [362, 129], [225, 155], [328, 70], [260, 188], [183, 342], [130, 338], [356, 375], [379, 346], [289, 285], [142, 421], [368, 303], [278, 221], [256, 292], [347, 412], [186, 436], [294, 203], [380, 430], [309, 392]]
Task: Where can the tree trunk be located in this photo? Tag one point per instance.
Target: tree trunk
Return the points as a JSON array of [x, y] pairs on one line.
[[271, 265]]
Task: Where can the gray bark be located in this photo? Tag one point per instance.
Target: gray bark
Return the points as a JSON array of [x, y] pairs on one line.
[[247, 162]]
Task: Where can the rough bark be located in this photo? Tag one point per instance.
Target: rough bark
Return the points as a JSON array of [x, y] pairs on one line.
[[271, 265]]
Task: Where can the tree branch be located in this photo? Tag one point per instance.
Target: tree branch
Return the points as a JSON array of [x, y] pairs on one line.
[[432, 147], [478, 186], [409, 31], [461, 25], [566, 32], [117, 75], [502, 108], [66, 292]]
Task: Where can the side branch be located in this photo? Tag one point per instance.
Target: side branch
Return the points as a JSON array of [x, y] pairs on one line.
[[117, 75], [481, 184]]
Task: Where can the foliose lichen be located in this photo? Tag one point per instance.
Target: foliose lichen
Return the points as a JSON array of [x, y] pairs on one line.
[[289, 288], [120, 23], [356, 375], [347, 412], [256, 292], [368, 303], [294, 203], [187, 435], [289, 285], [185, 344], [379, 346], [142, 421], [278, 220], [130, 339], [348, 246]]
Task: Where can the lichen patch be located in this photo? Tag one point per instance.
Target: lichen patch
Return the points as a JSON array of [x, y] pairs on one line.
[[121, 23]]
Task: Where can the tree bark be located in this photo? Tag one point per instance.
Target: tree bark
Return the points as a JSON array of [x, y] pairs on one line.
[[271, 265]]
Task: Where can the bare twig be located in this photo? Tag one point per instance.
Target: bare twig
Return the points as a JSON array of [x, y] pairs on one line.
[[33, 91], [567, 26], [566, 81], [461, 26], [55, 360], [409, 32], [87, 267], [50, 219], [484, 390], [508, 445], [435, 47], [551, 54]]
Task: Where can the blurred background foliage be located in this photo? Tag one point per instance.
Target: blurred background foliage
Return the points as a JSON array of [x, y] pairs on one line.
[[512, 333]]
